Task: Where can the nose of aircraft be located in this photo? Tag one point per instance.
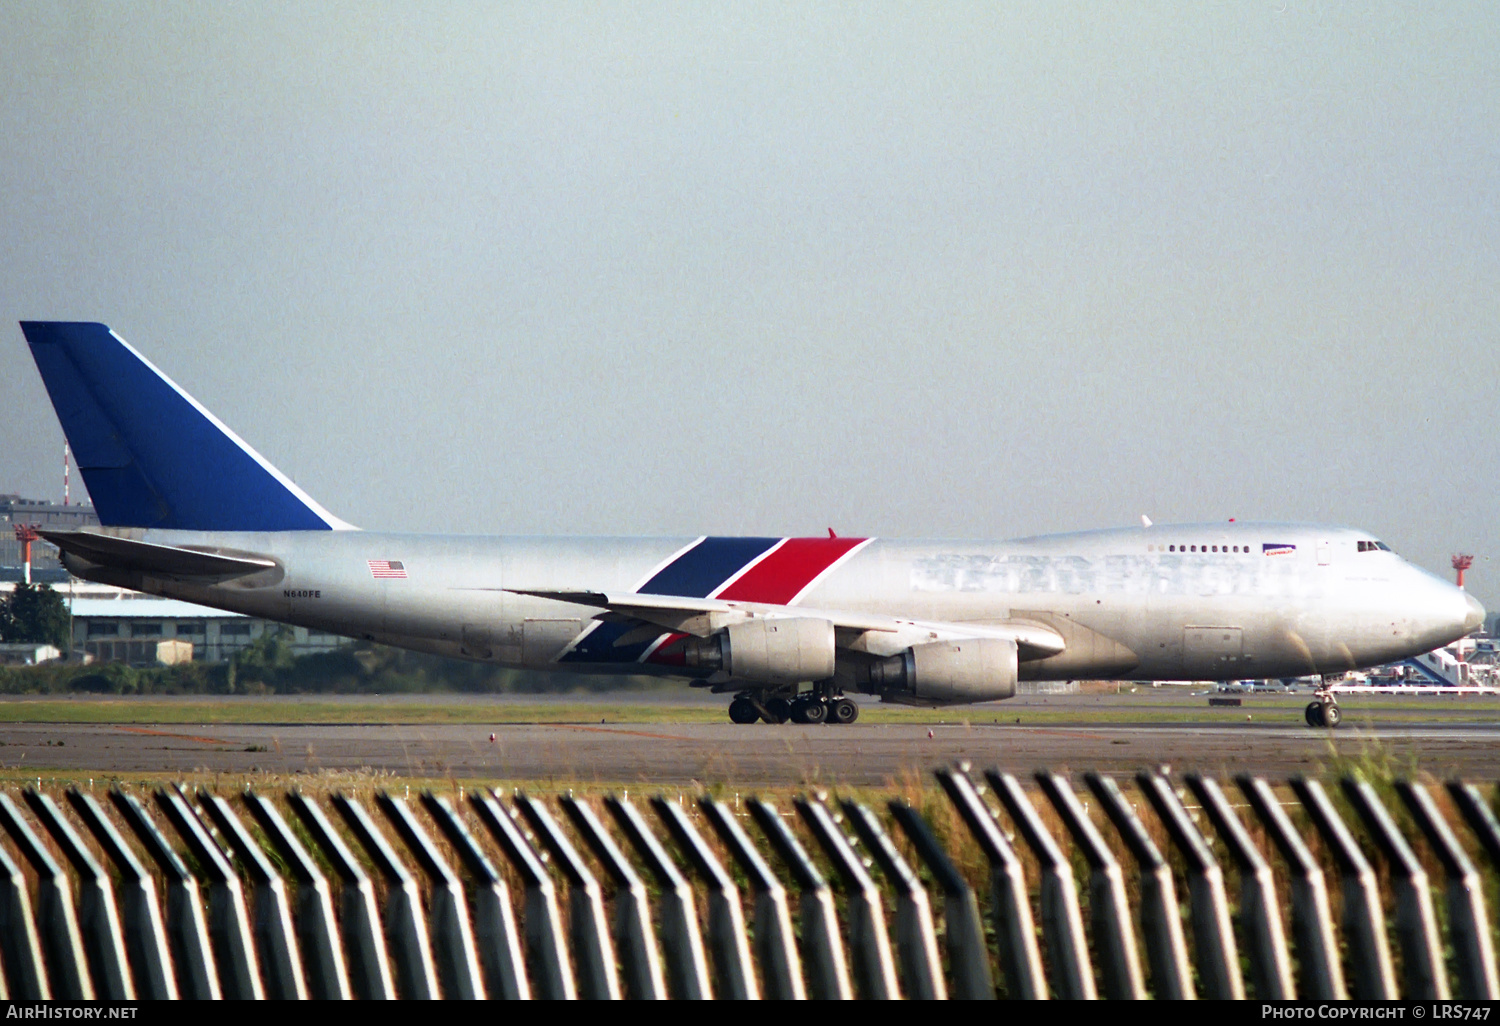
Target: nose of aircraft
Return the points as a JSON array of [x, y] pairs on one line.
[[1474, 619]]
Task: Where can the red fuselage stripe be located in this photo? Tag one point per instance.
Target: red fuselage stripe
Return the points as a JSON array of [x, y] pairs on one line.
[[782, 575]]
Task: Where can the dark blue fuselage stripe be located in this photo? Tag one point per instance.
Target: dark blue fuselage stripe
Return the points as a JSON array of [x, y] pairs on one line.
[[693, 574], [599, 646], [705, 566]]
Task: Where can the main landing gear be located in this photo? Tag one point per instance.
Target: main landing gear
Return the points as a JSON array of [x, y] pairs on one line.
[[1324, 712], [816, 706]]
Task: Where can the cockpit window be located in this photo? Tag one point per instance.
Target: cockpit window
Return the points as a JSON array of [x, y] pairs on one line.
[[1373, 546]]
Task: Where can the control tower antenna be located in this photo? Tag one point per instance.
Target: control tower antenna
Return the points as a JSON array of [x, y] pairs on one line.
[[1462, 562]]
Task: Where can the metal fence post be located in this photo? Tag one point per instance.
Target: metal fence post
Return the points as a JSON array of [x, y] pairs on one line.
[[775, 942], [25, 969], [869, 944], [593, 954], [1015, 930], [687, 962], [495, 933], [1260, 914], [228, 923], [1161, 925], [279, 954], [416, 975], [1468, 925], [734, 975], [1416, 923], [1213, 936], [916, 940], [317, 930], [1321, 976], [634, 940], [967, 953], [364, 942], [823, 960], [148, 959], [1062, 919], [98, 921], [450, 933], [197, 975], [1479, 816], [1373, 977], [62, 943], [546, 951], [1109, 909]]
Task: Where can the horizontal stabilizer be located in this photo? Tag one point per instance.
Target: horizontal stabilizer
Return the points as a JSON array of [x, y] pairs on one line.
[[156, 560]]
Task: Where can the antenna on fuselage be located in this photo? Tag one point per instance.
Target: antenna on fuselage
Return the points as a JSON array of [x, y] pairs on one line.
[[1145, 520]]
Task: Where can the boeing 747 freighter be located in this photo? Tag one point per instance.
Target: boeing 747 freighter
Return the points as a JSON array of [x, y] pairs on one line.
[[791, 627]]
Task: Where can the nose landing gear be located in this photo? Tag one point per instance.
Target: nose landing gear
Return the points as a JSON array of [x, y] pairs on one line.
[[1324, 712]]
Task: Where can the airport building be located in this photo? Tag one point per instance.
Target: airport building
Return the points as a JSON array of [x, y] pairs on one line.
[[144, 630], [115, 625]]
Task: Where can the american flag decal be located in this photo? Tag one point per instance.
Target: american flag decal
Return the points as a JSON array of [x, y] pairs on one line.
[[387, 569]]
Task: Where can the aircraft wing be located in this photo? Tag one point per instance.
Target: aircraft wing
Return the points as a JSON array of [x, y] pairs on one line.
[[873, 633]]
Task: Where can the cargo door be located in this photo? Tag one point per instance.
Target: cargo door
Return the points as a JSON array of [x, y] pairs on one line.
[[1213, 653]]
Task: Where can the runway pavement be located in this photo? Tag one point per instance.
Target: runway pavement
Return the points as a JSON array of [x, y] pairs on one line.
[[684, 753]]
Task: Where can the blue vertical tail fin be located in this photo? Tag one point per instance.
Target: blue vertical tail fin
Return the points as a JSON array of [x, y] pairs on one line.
[[150, 454]]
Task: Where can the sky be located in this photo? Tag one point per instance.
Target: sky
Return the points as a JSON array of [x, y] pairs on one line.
[[920, 270]]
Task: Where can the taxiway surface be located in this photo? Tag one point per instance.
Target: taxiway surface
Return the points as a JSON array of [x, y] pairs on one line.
[[686, 753]]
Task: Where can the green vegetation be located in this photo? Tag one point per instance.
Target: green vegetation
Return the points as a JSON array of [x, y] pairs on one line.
[[35, 613], [673, 703], [268, 666]]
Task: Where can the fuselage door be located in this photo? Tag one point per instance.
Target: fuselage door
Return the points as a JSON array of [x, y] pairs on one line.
[[1213, 653], [1324, 549]]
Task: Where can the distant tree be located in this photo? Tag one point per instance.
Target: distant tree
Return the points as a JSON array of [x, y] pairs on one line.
[[263, 660], [34, 612]]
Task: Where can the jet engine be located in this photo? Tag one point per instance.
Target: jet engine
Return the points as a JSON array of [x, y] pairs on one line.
[[971, 670], [776, 651]]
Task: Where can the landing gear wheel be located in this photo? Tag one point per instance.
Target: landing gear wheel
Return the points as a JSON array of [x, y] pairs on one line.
[[841, 710], [1314, 714], [809, 710], [741, 710], [779, 708], [1332, 716]]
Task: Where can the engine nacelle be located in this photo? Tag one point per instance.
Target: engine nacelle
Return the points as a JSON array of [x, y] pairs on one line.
[[971, 670], [778, 651]]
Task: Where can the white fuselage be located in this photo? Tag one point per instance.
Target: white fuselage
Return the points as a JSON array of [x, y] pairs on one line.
[[1216, 601]]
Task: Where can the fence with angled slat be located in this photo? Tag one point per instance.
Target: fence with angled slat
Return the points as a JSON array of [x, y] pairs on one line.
[[464, 897]]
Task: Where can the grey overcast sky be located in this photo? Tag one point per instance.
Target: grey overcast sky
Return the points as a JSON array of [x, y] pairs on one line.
[[901, 269]]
